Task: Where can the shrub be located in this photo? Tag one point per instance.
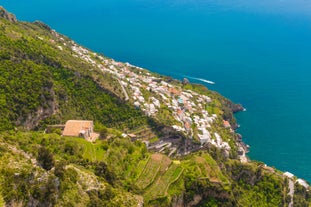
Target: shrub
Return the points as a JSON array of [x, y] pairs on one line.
[[45, 158]]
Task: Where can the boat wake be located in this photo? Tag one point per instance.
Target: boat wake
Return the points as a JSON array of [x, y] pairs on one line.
[[201, 79]]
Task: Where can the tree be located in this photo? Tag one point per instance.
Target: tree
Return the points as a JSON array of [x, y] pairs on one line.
[[45, 158], [102, 170], [60, 169], [103, 133]]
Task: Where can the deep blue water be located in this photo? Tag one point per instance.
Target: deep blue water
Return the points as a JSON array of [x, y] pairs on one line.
[[257, 51]]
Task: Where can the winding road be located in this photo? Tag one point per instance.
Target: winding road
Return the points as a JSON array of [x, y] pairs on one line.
[[291, 186], [124, 91]]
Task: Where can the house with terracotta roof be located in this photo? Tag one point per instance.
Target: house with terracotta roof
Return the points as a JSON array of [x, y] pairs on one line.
[[187, 126], [174, 91], [80, 128], [227, 124]]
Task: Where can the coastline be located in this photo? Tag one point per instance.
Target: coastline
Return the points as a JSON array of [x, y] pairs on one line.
[[257, 98], [187, 146]]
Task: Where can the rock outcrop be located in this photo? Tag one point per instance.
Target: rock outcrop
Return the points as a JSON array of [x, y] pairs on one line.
[[43, 25], [7, 15]]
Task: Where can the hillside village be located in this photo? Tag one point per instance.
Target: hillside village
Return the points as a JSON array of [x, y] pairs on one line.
[[187, 107], [179, 146], [151, 94]]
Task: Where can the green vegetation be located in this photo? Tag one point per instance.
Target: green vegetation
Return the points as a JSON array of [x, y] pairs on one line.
[[2, 204], [161, 185], [44, 82], [300, 196], [204, 166], [150, 171], [45, 158], [76, 174], [53, 81], [110, 168]]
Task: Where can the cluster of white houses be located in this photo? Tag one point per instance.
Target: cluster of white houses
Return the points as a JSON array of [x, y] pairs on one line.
[[187, 107], [299, 181]]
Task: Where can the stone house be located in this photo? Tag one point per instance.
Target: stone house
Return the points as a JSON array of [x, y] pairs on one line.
[[80, 128]]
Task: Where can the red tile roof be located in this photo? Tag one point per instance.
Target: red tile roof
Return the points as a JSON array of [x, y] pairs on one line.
[[75, 127], [226, 124], [174, 91]]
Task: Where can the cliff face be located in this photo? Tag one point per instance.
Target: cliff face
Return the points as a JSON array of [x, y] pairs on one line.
[[6, 15], [168, 143]]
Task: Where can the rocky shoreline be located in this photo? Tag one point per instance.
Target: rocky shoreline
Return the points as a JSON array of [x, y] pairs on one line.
[[243, 147]]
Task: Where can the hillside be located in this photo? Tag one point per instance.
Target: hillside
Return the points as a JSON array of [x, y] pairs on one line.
[[164, 142]]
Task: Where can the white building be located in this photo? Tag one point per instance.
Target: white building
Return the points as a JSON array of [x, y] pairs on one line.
[[302, 183], [289, 175]]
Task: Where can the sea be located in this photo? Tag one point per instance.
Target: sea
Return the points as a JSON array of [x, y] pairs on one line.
[[257, 52]]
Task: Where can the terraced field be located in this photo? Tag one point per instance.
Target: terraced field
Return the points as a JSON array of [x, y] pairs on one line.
[[205, 167], [141, 166], [157, 163], [144, 133], [157, 176], [160, 186], [207, 170]]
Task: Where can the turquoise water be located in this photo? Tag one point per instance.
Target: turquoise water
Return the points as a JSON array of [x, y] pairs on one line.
[[257, 52]]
